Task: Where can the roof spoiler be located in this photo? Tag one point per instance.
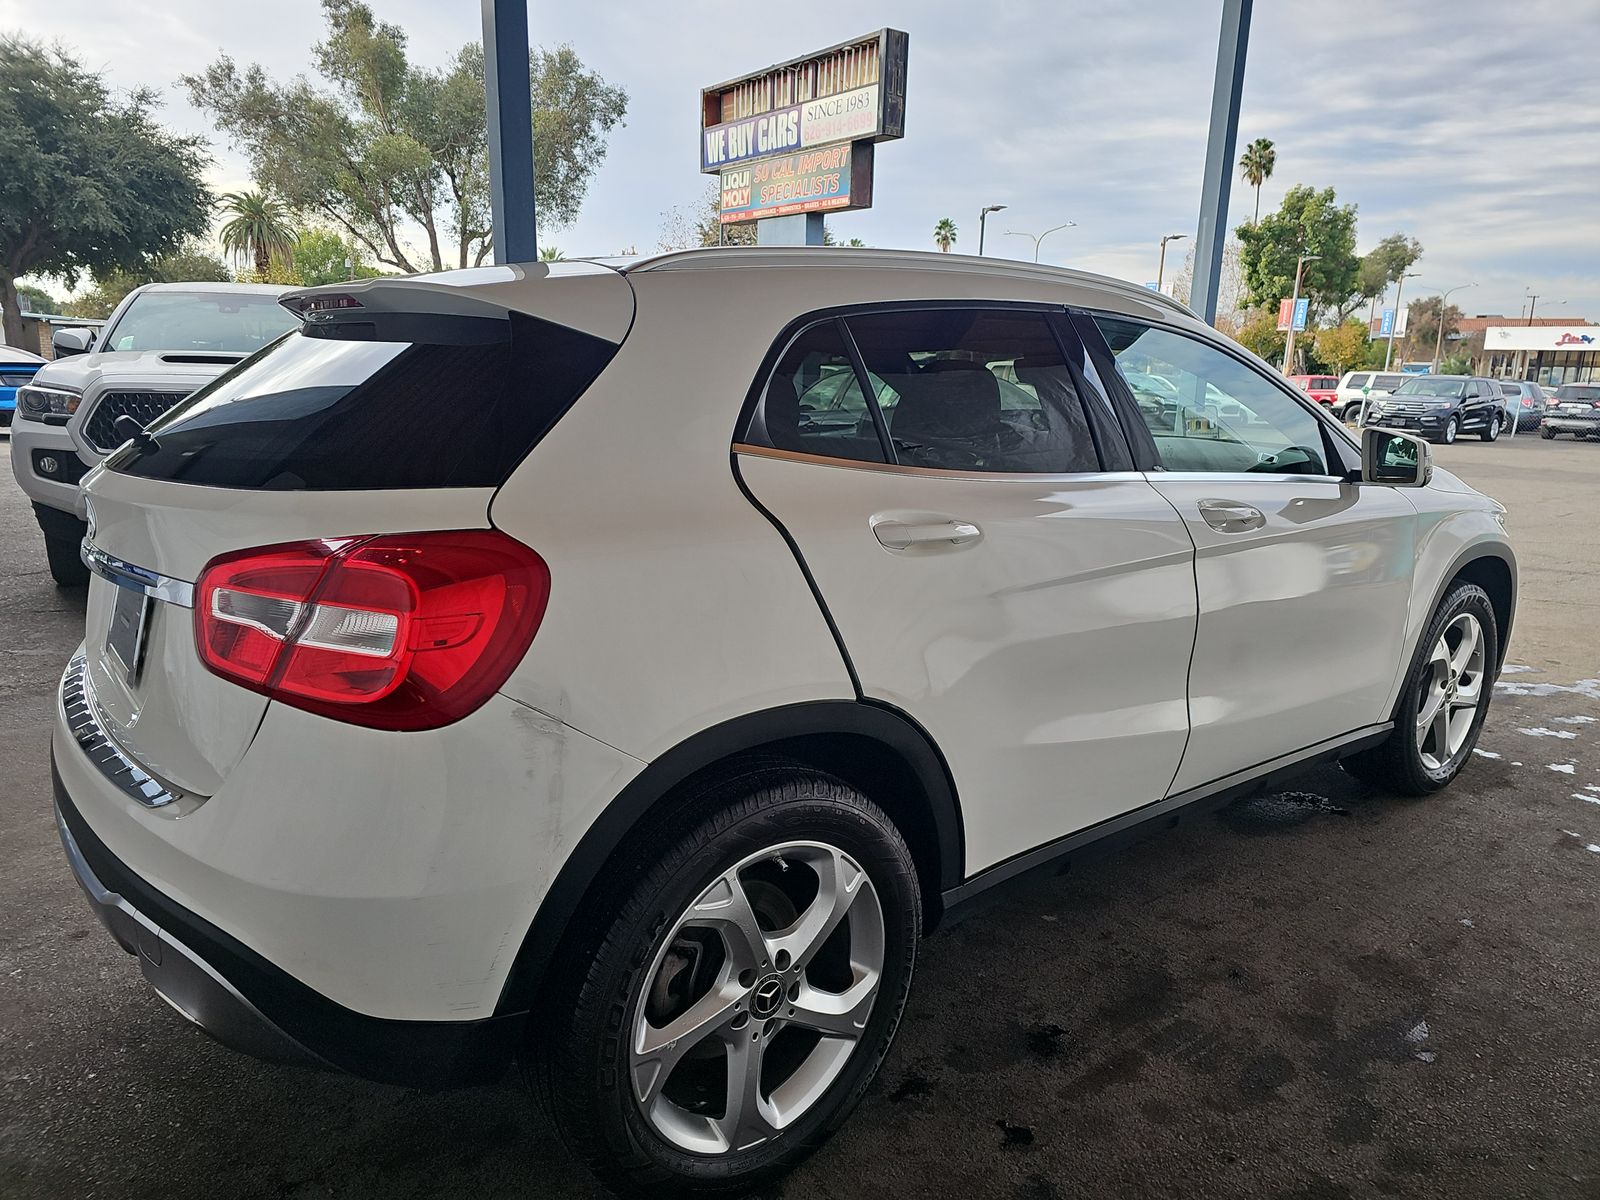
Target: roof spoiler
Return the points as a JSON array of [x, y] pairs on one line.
[[389, 310]]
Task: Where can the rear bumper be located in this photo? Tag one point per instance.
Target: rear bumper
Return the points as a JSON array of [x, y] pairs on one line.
[[1572, 424], [249, 1005]]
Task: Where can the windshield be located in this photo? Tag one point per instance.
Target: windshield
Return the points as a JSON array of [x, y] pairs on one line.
[[1569, 391], [1425, 386], [218, 322]]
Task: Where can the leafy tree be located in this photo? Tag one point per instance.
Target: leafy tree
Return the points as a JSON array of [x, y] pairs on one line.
[[1456, 364], [1260, 335], [1309, 222], [90, 182], [1256, 164], [39, 300], [388, 146], [184, 266], [1341, 346], [944, 234], [1383, 264], [683, 228], [1422, 328], [323, 256], [259, 231], [856, 243]]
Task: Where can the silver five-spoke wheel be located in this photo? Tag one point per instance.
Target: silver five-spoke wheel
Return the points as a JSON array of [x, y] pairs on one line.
[[1452, 686], [757, 998]]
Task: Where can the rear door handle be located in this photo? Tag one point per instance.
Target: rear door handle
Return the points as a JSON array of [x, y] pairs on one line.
[[900, 535], [1230, 516]]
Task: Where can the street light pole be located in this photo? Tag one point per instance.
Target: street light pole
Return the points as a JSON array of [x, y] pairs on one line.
[[1294, 303], [1531, 306], [1399, 290], [1161, 263], [983, 215], [1041, 237], [1438, 341]]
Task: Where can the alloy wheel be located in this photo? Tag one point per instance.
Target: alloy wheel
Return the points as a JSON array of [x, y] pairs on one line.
[[1450, 428], [1451, 690], [758, 997]]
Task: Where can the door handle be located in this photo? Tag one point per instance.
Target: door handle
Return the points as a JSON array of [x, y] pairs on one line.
[[900, 535], [1230, 516]]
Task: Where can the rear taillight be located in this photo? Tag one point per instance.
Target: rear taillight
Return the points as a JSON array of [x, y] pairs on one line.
[[402, 631]]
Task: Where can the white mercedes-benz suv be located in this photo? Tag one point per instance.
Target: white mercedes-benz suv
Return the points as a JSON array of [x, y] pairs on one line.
[[161, 343], [617, 668]]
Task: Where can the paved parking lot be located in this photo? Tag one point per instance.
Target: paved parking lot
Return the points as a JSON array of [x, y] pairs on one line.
[[1319, 994]]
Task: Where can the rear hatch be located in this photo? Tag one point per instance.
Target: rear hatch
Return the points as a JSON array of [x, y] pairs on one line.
[[401, 407]]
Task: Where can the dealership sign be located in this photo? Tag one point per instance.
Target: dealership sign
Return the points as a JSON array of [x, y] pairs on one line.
[[1541, 337], [801, 119], [825, 180]]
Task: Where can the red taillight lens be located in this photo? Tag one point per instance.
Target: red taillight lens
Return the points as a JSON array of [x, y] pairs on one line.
[[404, 631]]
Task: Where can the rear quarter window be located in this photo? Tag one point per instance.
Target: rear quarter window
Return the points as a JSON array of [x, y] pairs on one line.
[[313, 413]]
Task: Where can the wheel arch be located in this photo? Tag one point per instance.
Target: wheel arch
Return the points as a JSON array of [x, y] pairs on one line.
[[878, 749], [1491, 568]]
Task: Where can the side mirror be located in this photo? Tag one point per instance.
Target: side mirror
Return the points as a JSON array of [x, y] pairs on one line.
[[67, 342], [1397, 459]]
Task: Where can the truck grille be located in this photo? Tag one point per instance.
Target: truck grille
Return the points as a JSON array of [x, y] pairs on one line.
[[144, 407], [1402, 408]]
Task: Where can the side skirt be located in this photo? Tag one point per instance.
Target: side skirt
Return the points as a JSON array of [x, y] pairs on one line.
[[1133, 826]]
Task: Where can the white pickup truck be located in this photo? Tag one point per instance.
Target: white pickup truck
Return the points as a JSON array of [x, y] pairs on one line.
[[164, 341]]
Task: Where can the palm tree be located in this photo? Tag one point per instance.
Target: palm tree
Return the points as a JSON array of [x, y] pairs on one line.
[[1256, 164], [944, 234], [259, 231], [552, 254]]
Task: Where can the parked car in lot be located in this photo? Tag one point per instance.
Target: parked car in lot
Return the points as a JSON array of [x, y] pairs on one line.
[[17, 368], [1347, 397], [1526, 399], [1442, 407], [637, 720], [1574, 409], [1321, 388], [163, 341]]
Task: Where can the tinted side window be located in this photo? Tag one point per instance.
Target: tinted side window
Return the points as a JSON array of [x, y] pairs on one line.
[[813, 402], [321, 414], [975, 390], [1358, 381], [1207, 411]]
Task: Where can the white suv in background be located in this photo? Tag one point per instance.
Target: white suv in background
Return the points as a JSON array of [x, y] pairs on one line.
[[163, 341], [1359, 385], [737, 615]]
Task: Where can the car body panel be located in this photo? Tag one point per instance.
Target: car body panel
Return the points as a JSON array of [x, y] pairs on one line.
[[17, 367], [1301, 620], [1074, 577]]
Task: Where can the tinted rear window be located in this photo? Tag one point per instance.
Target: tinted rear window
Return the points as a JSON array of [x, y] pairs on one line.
[[328, 414]]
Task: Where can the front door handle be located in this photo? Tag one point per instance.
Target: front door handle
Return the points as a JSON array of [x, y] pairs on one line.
[[1230, 516], [902, 535]]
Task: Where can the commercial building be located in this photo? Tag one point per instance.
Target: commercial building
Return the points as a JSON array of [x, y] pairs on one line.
[[1547, 354]]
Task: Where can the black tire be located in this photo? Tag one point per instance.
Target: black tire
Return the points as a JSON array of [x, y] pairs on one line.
[[66, 567], [579, 1060], [1396, 765], [1491, 431], [1547, 433]]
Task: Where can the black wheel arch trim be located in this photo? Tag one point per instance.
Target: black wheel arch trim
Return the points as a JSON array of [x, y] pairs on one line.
[[1463, 559], [753, 732]]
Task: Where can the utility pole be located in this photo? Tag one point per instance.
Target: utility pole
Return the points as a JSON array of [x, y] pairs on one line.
[[1399, 290], [1294, 305], [1161, 263], [1226, 91], [1438, 341], [1531, 306], [983, 215], [510, 108]]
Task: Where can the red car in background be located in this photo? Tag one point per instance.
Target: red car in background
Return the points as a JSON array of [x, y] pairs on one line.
[[1320, 388]]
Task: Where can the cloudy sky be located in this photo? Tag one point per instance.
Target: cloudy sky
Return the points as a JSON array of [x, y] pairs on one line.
[[1470, 126]]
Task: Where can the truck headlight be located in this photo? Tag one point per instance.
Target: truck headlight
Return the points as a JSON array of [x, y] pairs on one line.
[[40, 402]]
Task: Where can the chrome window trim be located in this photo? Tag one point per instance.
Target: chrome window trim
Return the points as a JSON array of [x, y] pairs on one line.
[[1019, 477], [89, 731], [139, 579]]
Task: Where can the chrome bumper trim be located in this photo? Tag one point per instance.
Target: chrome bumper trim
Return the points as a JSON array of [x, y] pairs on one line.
[[84, 723], [138, 579]]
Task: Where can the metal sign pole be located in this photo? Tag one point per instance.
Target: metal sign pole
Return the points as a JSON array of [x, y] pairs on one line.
[[510, 107], [1225, 94]]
